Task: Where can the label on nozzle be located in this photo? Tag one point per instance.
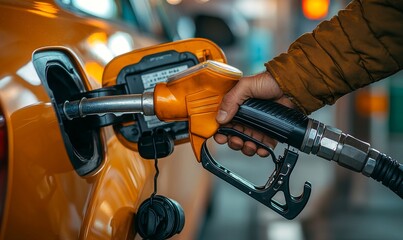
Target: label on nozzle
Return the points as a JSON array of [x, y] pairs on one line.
[[150, 80], [218, 67]]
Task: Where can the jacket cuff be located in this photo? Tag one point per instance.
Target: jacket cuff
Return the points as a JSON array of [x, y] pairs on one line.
[[292, 85]]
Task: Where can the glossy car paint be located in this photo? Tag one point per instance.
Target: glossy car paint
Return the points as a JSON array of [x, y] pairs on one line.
[[45, 197]]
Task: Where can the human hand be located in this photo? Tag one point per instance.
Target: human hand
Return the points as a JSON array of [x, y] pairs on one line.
[[261, 86]]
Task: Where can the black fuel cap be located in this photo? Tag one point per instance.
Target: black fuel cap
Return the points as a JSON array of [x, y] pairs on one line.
[[159, 218]]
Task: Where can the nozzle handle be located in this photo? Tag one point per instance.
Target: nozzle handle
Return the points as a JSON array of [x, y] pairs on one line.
[[275, 120], [277, 182]]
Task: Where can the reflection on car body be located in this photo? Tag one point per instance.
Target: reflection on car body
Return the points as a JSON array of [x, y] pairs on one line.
[[43, 195]]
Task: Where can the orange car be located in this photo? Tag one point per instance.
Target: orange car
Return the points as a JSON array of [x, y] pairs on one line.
[[61, 180]]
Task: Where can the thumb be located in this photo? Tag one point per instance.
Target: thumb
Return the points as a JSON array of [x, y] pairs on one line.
[[231, 102]]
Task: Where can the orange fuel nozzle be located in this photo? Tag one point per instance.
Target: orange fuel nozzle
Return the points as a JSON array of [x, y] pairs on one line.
[[195, 95]]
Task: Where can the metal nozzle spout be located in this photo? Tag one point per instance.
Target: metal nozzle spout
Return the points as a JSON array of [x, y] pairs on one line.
[[118, 105]]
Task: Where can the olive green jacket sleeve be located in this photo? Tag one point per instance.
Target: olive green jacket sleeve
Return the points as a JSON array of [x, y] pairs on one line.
[[362, 44]]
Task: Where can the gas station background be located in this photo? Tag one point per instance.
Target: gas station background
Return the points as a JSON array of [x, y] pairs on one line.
[[343, 205]]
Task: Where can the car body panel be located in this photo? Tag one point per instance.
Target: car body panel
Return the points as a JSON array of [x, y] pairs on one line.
[[45, 196]]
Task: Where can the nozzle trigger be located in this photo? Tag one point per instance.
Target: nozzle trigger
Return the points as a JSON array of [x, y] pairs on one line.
[[278, 181]]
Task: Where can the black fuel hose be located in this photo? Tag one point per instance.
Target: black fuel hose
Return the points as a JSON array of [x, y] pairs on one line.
[[390, 173]]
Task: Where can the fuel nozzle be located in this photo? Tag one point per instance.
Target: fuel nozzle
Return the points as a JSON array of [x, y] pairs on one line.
[[118, 105]]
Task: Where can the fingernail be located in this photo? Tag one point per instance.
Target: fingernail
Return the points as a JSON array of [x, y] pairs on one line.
[[221, 116]]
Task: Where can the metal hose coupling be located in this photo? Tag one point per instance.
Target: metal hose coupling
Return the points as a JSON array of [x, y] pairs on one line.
[[332, 144], [118, 105]]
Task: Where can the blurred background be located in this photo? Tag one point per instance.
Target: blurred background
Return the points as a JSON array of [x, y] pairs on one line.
[[343, 205]]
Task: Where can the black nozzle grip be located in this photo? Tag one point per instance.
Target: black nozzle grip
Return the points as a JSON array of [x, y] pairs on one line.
[[284, 124]]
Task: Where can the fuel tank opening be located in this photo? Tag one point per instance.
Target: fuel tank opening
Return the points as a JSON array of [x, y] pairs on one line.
[[62, 81], [63, 88]]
